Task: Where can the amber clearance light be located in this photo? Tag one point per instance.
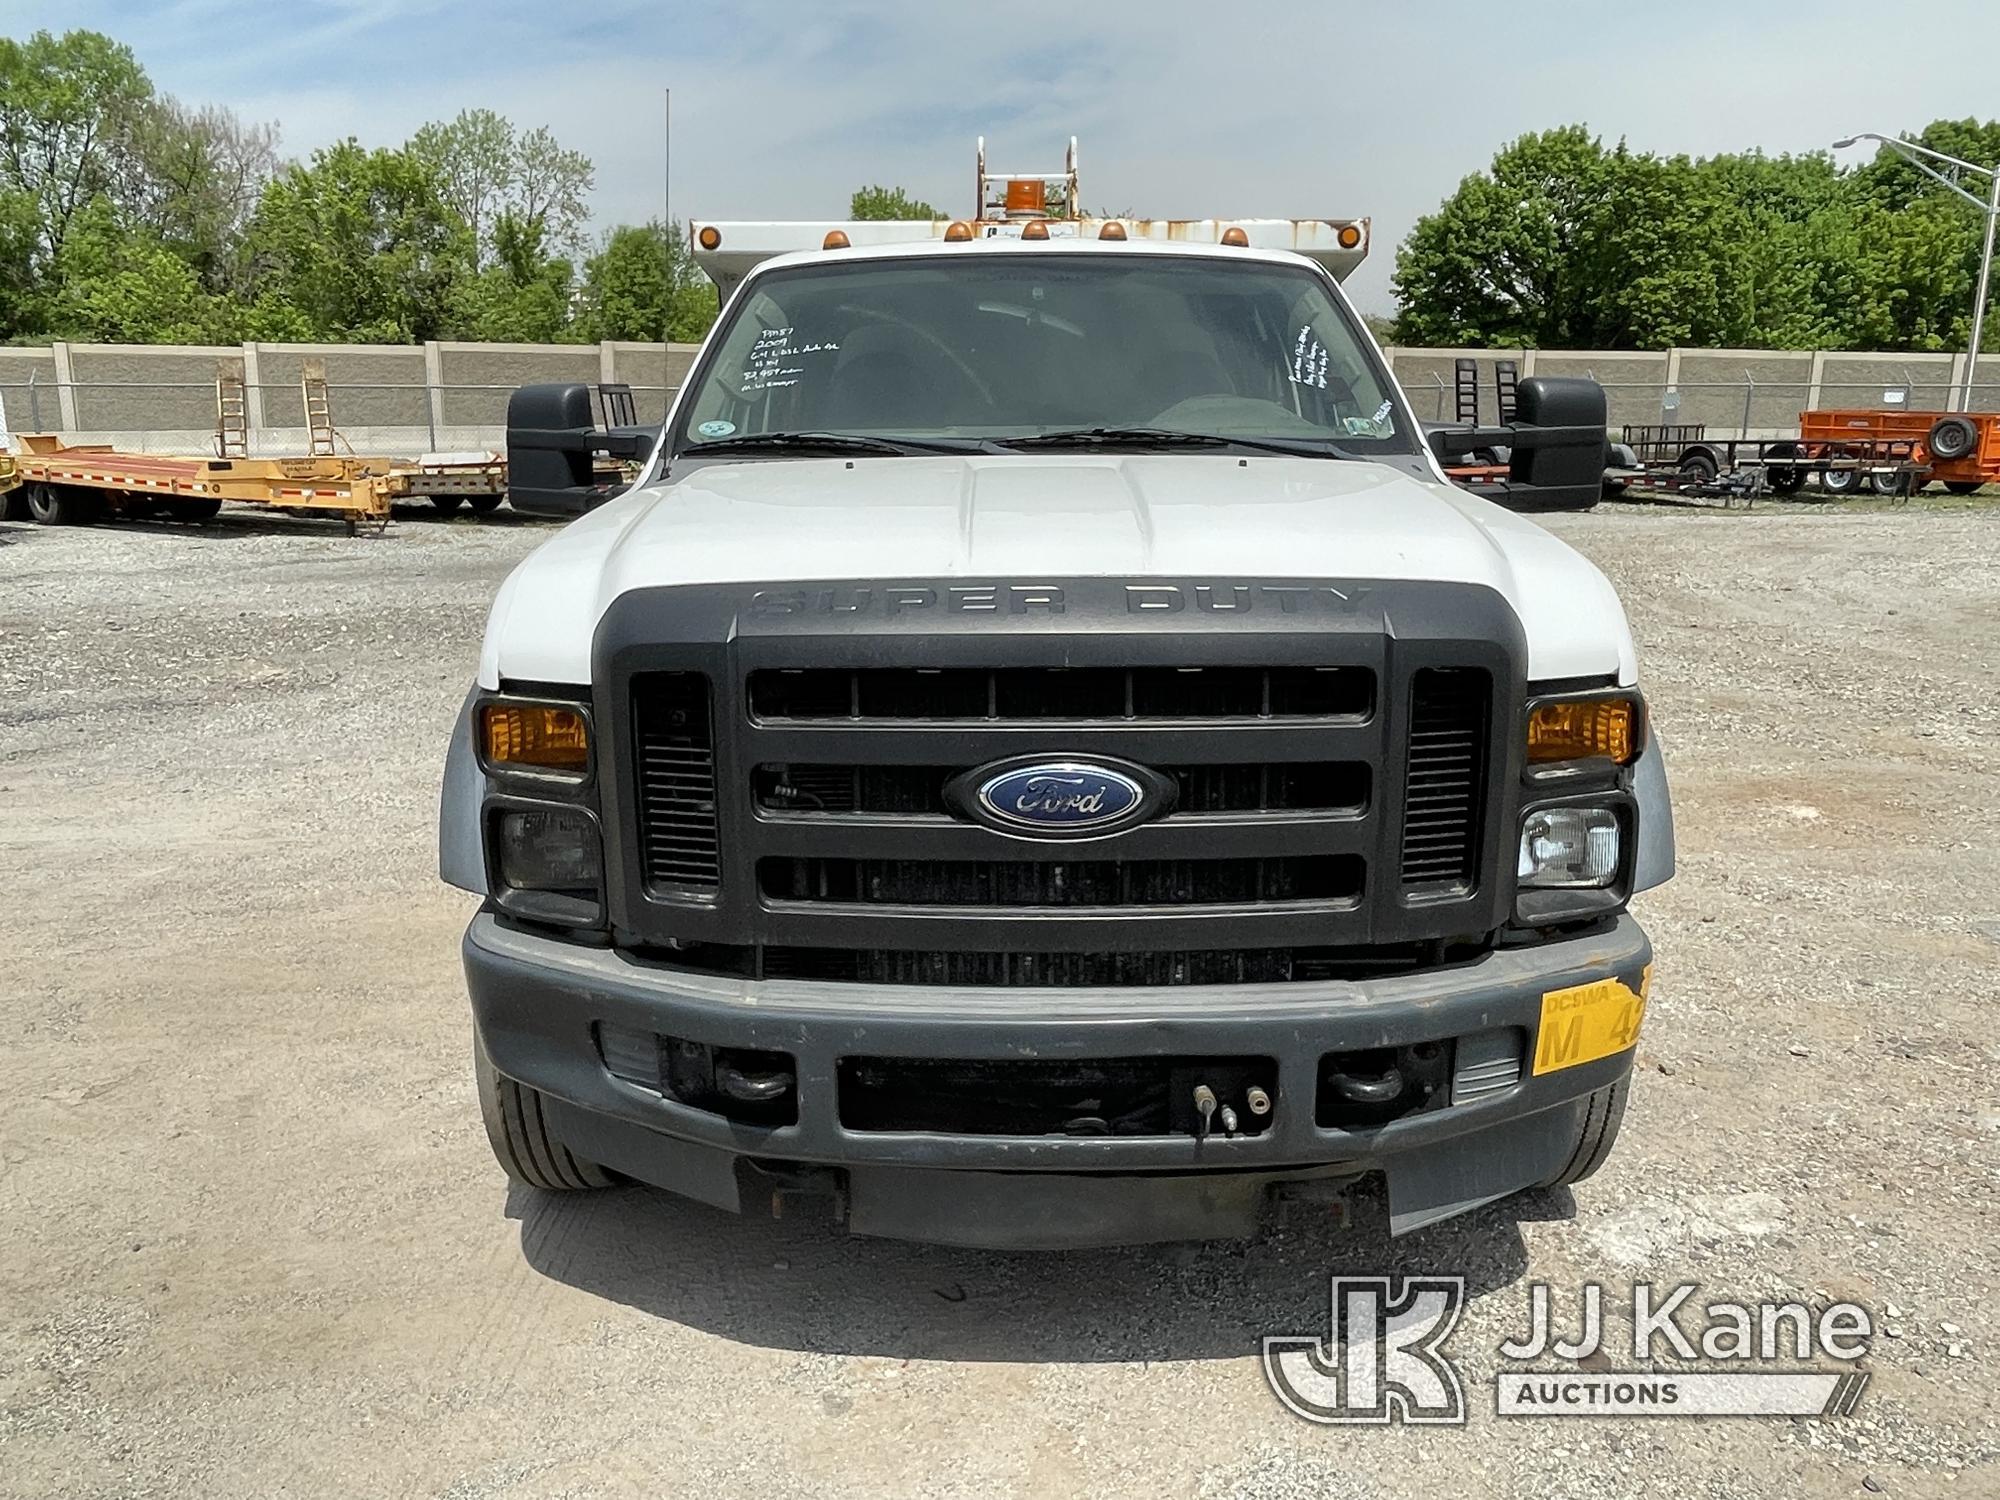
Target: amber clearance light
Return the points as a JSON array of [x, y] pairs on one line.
[[534, 737], [1578, 728]]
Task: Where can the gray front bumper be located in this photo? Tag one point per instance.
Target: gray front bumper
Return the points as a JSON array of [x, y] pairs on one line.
[[537, 1001]]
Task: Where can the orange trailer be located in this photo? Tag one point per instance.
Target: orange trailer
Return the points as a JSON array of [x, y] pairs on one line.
[[1960, 449]]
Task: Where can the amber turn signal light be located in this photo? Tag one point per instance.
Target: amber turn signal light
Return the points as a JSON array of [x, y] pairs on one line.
[[709, 237], [1349, 236], [534, 737], [1579, 728]]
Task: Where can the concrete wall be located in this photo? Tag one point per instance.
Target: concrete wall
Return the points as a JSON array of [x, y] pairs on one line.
[[393, 400], [442, 397]]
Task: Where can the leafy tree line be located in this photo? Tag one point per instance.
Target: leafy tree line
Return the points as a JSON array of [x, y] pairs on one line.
[[1567, 243], [127, 216]]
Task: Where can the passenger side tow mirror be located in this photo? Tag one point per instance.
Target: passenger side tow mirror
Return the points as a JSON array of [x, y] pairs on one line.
[[558, 458], [1557, 445]]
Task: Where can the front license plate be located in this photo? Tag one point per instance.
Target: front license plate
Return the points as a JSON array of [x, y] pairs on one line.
[[1588, 1021]]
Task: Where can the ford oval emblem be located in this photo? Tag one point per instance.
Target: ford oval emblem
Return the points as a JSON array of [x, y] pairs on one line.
[[1060, 798]]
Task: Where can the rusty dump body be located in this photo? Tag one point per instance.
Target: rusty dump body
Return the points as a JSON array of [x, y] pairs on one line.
[[1023, 205]]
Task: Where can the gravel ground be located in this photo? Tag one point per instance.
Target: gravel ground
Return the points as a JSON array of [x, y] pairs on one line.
[[252, 1241]]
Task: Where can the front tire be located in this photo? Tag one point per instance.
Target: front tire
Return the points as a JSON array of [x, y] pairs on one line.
[[1964, 486], [446, 504], [194, 511], [484, 505], [1604, 1112], [526, 1146]]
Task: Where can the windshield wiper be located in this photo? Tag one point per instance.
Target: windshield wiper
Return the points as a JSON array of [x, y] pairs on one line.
[[1167, 437], [834, 442]]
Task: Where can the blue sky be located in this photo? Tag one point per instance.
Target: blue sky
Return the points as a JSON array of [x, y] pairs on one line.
[[782, 107]]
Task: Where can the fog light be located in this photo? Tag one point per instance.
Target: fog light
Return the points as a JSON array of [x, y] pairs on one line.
[[1569, 848], [549, 849]]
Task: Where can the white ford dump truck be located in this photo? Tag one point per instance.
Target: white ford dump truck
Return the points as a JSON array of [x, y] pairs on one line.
[[1042, 757]]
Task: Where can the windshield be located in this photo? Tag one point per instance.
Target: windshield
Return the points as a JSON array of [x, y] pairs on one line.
[[986, 348]]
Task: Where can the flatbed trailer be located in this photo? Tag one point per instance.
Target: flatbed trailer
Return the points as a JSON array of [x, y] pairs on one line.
[[1682, 457], [67, 483], [449, 480]]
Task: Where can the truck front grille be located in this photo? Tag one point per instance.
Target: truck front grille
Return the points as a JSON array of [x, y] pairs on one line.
[[1027, 884], [1444, 791], [679, 830], [840, 790], [787, 787], [1079, 694]]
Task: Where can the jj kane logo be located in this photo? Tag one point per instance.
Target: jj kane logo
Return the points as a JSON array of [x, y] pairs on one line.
[[1384, 1358]]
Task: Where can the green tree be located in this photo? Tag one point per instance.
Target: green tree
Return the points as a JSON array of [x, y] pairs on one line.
[[120, 286], [361, 245], [644, 280], [888, 203], [69, 109], [523, 297], [1564, 242], [202, 174], [20, 311], [486, 170]]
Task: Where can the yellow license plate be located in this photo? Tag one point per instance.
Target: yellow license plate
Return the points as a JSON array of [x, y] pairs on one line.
[[1588, 1021]]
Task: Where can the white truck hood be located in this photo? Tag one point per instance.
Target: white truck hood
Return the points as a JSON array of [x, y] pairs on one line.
[[1046, 517]]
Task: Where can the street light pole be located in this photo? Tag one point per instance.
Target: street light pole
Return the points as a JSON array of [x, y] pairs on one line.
[[1911, 152], [1979, 297]]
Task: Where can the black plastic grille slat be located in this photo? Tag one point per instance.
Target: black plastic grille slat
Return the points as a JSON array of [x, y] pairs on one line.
[[680, 838], [1091, 970], [1318, 786], [1023, 884], [1066, 694], [1449, 712]]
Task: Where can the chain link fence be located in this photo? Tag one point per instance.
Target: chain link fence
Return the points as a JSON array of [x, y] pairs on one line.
[[368, 418], [1739, 393]]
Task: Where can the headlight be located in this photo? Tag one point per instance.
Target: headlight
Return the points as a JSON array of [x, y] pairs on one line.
[[1581, 728], [546, 862], [536, 737], [549, 849], [1569, 848]]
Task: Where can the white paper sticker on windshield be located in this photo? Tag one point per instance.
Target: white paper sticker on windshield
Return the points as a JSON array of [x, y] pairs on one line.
[[716, 429], [1308, 360], [776, 361]]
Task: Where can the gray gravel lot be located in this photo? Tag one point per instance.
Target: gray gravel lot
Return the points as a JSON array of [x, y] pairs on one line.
[[252, 1242]]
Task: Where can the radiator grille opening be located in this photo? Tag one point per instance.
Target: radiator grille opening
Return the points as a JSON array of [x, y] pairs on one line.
[[986, 969], [1311, 787], [1123, 1096], [1449, 711], [679, 837], [1051, 694], [1328, 879]]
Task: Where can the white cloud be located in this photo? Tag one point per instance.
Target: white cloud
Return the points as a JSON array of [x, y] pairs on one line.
[[782, 107]]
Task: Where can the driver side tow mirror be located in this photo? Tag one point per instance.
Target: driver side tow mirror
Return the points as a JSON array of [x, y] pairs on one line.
[[1556, 445], [558, 459]]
